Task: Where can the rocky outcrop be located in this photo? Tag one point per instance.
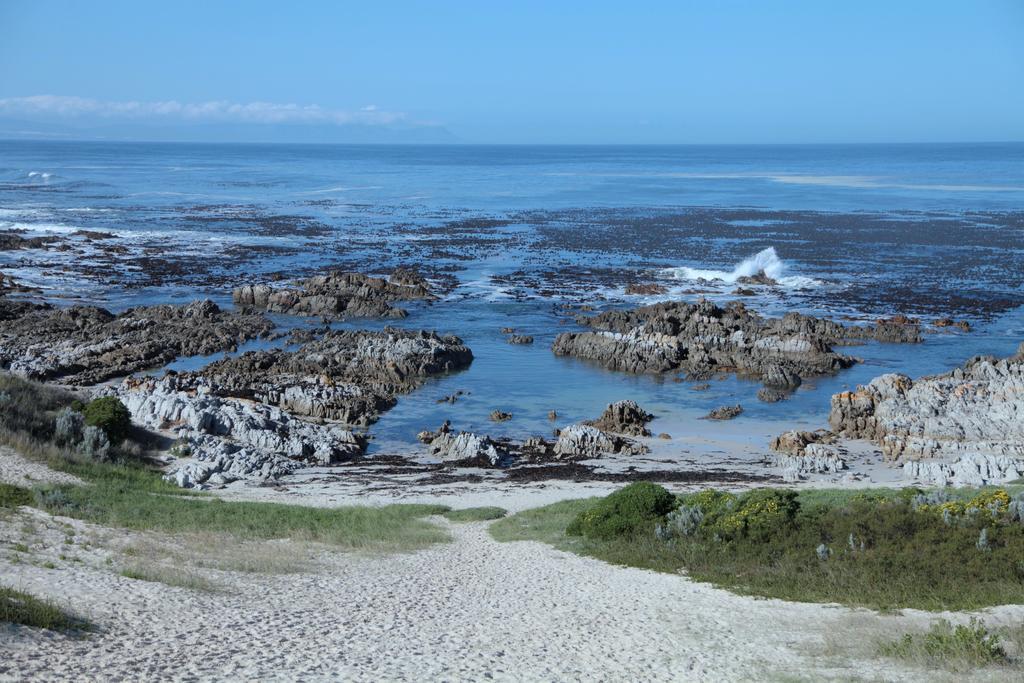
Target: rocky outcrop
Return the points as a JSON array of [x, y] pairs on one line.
[[624, 417], [645, 289], [968, 470], [800, 453], [725, 413], [87, 345], [976, 410], [587, 441], [466, 448], [345, 295], [233, 437], [702, 339], [520, 339], [794, 442], [344, 375]]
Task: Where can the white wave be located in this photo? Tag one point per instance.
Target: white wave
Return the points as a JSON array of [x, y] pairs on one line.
[[40, 174], [45, 228], [766, 260]]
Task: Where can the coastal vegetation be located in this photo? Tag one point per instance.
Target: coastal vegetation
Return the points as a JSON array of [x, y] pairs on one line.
[[18, 607], [883, 549]]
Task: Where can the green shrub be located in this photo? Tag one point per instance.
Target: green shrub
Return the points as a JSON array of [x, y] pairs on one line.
[[14, 496], [110, 415], [954, 647], [758, 514], [630, 510]]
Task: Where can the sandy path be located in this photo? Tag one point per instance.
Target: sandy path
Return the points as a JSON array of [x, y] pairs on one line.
[[470, 610], [20, 471]]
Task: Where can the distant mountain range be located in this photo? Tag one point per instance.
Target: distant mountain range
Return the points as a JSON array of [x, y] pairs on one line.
[[228, 132]]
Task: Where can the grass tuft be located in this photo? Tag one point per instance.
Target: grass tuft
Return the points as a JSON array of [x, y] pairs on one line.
[[176, 576], [17, 607], [481, 514]]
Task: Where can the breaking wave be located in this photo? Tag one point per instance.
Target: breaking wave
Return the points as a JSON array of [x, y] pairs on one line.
[[766, 261]]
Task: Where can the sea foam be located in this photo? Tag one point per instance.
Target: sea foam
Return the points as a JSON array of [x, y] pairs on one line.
[[766, 260]]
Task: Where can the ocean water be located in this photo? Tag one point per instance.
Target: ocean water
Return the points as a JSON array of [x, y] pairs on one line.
[[513, 235]]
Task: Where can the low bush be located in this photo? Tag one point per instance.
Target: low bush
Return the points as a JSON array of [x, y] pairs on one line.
[[634, 509], [110, 415], [14, 496], [959, 648], [879, 548], [30, 407]]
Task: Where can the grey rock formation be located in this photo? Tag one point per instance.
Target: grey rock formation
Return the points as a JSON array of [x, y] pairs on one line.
[[624, 417], [968, 470], [795, 441], [344, 375], [87, 345], [800, 453], [587, 441], [725, 413], [337, 295], [232, 436], [702, 339], [466, 448], [976, 410]]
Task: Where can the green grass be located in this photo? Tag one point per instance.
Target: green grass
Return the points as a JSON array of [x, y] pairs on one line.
[[141, 501], [21, 608], [481, 514], [911, 559]]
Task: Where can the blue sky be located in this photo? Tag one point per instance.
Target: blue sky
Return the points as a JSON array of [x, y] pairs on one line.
[[509, 72]]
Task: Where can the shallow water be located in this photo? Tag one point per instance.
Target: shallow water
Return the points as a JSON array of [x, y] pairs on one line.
[[509, 233]]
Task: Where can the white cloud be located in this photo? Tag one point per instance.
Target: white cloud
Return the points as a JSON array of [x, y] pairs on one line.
[[61, 106]]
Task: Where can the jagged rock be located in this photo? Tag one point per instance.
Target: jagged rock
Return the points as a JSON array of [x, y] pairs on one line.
[[962, 325], [87, 345], [500, 416], [349, 376], [645, 289], [337, 294], [724, 413], [520, 339], [467, 448], [232, 436], [794, 442], [586, 441], [974, 410], [760, 278], [664, 436], [624, 417], [799, 453], [815, 459], [772, 395], [969, 470], [552, 415], [702, 339]]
